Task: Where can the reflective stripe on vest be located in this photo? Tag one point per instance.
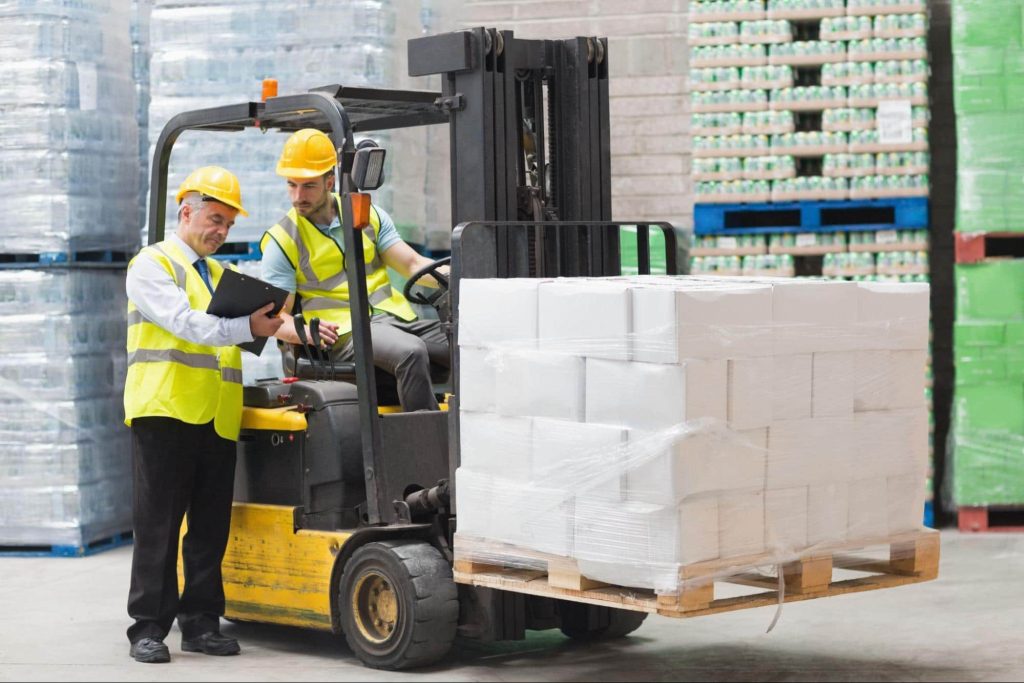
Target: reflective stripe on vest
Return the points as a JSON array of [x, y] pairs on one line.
[[192, 360], [320, 275], [171, 377]]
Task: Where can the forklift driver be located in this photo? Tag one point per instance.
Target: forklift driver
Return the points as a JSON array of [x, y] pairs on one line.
[[304, 254]]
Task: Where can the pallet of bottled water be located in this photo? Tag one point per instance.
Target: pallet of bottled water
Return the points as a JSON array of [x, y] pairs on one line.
[[65, 463], [69, 166]]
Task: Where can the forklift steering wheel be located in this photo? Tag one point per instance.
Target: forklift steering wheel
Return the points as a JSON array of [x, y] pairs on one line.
[[429, 269]]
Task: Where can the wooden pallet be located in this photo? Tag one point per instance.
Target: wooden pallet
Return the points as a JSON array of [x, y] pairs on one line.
[[913, 558], [976, 247], [979, 519]]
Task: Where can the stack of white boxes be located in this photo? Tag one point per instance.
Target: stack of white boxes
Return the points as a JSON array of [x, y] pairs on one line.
[[640, 424]]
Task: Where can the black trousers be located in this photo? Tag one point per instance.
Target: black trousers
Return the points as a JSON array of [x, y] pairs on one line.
[[403, 349], [178, 469]]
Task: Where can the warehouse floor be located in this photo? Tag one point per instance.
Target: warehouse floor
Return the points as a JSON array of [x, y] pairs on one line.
[[64, 619]]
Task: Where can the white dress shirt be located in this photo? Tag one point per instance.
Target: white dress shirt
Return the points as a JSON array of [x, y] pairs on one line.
[[153, 291]]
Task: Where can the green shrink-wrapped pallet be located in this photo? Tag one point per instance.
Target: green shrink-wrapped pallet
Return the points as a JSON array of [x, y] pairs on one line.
[[988, 413], [988, 74]]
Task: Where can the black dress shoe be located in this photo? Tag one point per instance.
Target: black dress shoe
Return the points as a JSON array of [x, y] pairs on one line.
[[211, 643], [150, 651]]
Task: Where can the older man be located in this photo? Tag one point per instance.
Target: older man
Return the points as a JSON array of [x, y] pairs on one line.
[[183, 401]]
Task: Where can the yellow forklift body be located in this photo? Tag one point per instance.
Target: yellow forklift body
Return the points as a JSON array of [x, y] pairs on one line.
[[284, 419], [274, 574]]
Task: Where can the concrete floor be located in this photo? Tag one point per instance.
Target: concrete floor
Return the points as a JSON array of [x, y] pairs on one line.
[[64, 619]]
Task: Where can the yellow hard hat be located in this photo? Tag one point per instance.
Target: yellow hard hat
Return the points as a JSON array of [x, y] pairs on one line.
[[307, 153], [214, 182]]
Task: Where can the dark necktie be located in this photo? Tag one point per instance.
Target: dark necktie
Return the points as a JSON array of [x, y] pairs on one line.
[[204, 273]]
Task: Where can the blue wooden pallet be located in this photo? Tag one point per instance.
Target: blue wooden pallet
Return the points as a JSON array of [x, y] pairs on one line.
[[107, 543], [105, 258], [831, 216]]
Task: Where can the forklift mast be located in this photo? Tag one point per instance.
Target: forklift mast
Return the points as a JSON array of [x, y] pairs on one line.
[[529, 123]]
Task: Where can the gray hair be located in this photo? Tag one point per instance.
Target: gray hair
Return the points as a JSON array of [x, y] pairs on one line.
[[193, 200]]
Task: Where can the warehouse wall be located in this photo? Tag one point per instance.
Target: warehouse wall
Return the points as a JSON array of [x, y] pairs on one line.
[[650, 111]]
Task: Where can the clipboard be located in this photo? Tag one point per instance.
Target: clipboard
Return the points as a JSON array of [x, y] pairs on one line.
[[238, 295]]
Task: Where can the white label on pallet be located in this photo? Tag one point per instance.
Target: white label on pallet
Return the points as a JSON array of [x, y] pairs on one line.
[[727, 243], [895, 123], [887, 237], [806, 239]]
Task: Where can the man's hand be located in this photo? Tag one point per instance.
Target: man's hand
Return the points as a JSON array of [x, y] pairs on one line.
[[328, 333], [261, 324]]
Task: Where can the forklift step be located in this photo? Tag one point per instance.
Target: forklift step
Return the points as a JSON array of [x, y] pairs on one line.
[[716, 586]]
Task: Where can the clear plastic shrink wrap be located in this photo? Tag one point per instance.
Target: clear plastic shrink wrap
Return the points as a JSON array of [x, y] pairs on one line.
[[638, 425], [69, 169], [65, 476]]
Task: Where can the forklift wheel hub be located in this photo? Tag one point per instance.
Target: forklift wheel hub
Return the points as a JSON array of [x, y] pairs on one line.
[[375, 607]]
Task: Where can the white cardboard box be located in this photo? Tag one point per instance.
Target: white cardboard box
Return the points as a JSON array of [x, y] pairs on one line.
[[650, 396], [642, 533], [527, 517], [869, 509], [908, 370], [873, 384], [478, 378], [587, 458], [500, 311], [585, 317], [741, 523], [906, 495], [810, 451], [791, 387], [492, 445], [541, 384], [670, 471], [888, 380], [891, 443], [814, 315], [675, 320], [828, 513], [785, 523], [749, 400], [833, 384], [894, 315], [474, 494]]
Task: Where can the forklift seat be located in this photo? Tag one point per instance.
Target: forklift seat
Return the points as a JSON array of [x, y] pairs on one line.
[[387, 386]]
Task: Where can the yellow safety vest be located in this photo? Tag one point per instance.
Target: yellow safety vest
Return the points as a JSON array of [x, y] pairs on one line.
[[171, 377], [320, 277]]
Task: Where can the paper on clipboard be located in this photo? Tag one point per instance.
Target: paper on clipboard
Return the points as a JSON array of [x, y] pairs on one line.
[[238, 295]]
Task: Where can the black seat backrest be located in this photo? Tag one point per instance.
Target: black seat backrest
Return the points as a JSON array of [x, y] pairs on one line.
[[387, 386]]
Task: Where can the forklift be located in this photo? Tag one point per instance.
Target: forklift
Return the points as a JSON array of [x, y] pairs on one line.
[[345, 509]]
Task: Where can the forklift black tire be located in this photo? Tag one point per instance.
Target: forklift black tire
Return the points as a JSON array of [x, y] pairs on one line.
[[399, 604], [577, 624]]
